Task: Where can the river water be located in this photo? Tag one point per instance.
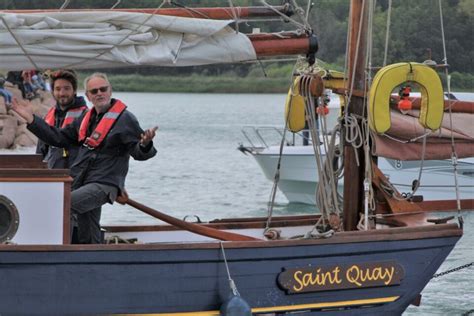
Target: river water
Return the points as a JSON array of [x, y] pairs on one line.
[[199, 171]]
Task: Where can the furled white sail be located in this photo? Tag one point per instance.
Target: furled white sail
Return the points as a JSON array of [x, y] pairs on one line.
[[88, 39]]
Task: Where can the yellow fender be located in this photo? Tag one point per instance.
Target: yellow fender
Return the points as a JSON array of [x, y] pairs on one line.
[[391, 76], [295, 108]]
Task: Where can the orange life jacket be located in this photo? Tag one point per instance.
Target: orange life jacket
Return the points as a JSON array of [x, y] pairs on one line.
[[103, 128], [71, 115]]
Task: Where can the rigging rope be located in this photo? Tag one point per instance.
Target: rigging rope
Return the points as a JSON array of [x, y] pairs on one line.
[[304, 26], [276, 177], [387, 32], [454, 158], [390, 189], [327, 196]]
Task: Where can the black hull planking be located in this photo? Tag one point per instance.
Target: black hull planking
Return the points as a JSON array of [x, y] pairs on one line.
[[187, 278]]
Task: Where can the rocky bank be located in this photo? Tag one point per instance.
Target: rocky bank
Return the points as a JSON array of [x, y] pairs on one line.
[[13, 131]]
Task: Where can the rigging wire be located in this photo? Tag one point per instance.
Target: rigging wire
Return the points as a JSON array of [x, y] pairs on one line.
[[65, 4], [387, 32], [454, 158], [309, 6], [235, 15], [179, 5], [116, 4]]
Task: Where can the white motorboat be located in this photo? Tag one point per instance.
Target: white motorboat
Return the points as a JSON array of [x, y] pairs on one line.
[[299, 175]]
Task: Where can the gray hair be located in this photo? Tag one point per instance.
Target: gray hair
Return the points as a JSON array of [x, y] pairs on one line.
[[95, 75]]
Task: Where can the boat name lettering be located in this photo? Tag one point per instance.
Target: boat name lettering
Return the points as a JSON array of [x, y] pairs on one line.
[[336, 277]]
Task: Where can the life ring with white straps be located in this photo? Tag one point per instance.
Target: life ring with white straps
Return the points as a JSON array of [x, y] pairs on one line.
[[391, 76]]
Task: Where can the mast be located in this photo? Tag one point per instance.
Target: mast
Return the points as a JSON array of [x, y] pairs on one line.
[[353, 173]]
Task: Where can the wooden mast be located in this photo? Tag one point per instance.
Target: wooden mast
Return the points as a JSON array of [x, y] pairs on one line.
[[353, 173]]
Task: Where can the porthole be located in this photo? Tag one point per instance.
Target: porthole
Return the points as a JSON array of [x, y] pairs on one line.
[[9, 219]]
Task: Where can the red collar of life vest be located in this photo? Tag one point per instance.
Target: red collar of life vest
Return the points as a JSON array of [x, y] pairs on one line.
[[104, 126], [71, 115]]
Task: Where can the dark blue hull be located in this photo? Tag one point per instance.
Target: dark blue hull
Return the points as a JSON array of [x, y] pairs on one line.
[[186, 278]]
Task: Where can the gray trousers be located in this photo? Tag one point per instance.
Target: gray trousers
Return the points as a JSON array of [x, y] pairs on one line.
[[86, 205]]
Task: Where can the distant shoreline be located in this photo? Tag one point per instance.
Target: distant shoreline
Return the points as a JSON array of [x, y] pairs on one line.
[[198, 84], [207, 84]]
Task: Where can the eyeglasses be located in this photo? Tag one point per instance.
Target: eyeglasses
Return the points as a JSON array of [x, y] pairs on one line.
[[96, 90]]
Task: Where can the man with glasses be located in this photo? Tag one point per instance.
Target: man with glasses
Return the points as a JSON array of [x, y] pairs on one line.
[[108, 134], [68, 107]]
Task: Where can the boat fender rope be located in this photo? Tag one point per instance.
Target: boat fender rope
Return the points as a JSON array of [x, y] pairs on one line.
[[235, 305], [231, 282]]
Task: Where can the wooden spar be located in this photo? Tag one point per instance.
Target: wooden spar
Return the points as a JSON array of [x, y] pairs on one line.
[[194, 228], [283, 46], [219, 13], [353, 173]]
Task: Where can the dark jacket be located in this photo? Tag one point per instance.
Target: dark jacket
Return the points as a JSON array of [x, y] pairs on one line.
[[108, 164], [60, 158]]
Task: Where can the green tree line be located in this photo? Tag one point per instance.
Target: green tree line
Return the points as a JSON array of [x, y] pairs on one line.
[[415, 34]]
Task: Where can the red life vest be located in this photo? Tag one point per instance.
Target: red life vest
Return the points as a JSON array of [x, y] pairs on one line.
[[71, 115], [104, 126]]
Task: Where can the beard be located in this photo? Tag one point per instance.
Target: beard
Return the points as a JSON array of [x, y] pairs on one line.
[[65, 101]]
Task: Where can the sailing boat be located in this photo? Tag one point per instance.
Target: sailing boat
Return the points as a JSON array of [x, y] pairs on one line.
[[311, 265]]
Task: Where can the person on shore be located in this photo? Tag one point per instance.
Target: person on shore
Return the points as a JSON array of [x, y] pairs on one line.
[[68, 107], [7, 95], [108, 134], [30, 93]]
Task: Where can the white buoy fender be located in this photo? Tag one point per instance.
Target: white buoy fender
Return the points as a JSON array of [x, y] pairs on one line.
[[391, 76]]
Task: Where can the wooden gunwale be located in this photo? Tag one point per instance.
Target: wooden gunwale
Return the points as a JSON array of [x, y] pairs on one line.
[[22, 161], [41, 175], [391, 234]]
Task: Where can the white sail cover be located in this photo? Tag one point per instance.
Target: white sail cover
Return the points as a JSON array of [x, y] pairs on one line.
[[92, 39]]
